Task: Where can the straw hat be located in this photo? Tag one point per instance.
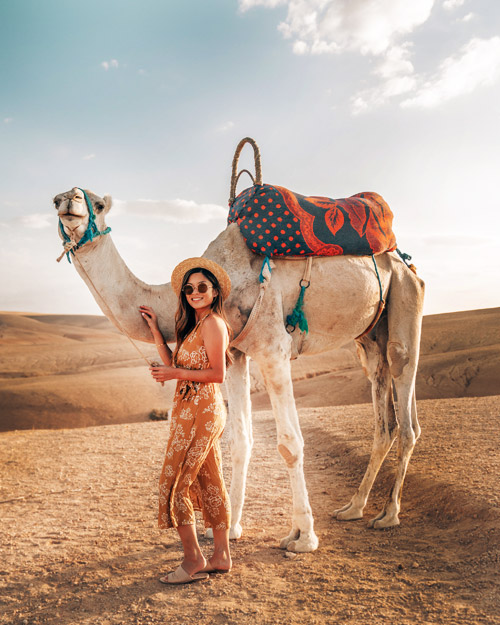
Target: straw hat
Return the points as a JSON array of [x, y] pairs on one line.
[[200, 263]]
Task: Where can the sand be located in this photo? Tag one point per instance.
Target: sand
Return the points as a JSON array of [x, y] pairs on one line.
[[80, 460], [80, 544]]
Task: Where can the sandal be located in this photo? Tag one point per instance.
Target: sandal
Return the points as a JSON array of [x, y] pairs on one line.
[[181, 576]]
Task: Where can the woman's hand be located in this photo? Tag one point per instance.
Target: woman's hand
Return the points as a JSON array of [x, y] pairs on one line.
[[149, 316], [162, 373]]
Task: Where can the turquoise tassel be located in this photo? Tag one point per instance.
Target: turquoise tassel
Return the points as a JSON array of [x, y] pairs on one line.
[[298, 316]]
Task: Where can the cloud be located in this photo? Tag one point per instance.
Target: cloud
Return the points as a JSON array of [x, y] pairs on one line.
[[476, 65], [450, 5], [88, 157], [225, 127], [37, 220], [382, 30], [320, 27], [377, 29], [174, 211], [398, 78], [113, 64], [370, 98], [8, 120], [245, 5], [468, 17]]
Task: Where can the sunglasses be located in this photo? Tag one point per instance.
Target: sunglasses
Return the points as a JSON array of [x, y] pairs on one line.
[[189, 289]]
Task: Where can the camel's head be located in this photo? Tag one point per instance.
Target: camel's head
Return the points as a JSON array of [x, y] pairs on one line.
[[74, 214]]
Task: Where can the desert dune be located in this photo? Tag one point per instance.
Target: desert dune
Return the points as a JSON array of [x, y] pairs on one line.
[[59, 371]]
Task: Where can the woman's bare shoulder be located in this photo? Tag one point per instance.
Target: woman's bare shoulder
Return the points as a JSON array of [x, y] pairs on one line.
[[214, 323]]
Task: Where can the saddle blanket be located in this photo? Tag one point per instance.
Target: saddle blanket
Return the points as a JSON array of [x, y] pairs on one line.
[[277, 222]]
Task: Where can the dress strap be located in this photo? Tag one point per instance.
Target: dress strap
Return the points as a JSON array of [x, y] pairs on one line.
[[200, 322]]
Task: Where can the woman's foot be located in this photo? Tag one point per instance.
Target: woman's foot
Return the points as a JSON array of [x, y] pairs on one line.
[[220, 560], [217, 565], [195, 565]]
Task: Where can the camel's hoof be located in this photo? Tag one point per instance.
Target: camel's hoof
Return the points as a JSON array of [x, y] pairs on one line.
[[384, 520], [235, 532], [293, 535], [302, 543], [350, 512]]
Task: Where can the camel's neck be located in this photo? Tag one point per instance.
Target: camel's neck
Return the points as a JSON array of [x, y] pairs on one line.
[[119, 293]]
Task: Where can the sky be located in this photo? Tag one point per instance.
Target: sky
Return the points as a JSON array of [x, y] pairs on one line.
[[146, 101]]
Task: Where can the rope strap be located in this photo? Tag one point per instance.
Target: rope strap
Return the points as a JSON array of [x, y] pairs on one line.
[[298, 316], [381, 304], [404, 257], [113, 319]]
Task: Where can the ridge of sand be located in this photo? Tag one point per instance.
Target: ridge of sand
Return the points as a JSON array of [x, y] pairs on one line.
[[78, 370]]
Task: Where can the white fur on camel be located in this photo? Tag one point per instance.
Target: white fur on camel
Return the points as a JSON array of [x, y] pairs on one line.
[[341, 302]]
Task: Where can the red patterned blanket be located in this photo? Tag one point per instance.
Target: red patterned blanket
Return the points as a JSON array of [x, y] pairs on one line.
[[277, 222]]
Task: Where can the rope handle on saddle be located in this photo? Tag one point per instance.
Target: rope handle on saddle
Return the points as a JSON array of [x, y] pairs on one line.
[[234, 172]]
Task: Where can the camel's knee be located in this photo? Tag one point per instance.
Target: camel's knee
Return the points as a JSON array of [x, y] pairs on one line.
[[291, 452], [407, 438], [397, 355]]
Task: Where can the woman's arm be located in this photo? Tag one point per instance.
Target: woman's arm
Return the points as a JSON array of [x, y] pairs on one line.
[[215, 338], [164, 351]]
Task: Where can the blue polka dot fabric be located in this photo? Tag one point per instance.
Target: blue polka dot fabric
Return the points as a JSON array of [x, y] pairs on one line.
[[277, 222]]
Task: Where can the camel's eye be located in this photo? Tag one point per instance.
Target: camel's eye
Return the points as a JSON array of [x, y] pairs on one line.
[[99, 205], [57, 201]]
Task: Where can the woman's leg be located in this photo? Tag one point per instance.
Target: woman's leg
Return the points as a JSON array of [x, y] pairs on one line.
[[194, 559], [216, 507], [221, 557]]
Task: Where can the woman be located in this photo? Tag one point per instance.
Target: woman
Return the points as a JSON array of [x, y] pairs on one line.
[[191, 478]]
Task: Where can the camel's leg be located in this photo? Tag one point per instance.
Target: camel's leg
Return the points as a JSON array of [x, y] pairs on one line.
[[407, 438], [372, 353], [405, 319], [240, 435], [276, 370]]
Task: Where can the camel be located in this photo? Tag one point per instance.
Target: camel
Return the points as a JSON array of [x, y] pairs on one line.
[[341, 301]]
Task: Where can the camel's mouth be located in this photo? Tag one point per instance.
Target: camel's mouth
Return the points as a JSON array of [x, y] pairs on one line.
[[71, 217], [71, 223]]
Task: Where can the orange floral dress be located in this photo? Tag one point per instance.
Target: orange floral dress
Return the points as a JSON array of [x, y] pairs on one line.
[[191, 478]]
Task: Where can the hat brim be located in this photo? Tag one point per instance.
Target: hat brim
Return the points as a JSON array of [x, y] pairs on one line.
[[202, 263]]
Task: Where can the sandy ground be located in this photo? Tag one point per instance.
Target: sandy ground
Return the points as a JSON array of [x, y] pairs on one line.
[[79, 543]]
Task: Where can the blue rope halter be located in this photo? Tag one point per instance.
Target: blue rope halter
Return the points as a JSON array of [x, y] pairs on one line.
[[89, 234]]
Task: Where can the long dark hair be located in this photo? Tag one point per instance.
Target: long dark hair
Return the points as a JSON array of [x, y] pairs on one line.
[[185, 317]]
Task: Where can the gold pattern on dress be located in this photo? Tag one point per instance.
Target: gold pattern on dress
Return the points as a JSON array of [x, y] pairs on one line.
[[191, 478]]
